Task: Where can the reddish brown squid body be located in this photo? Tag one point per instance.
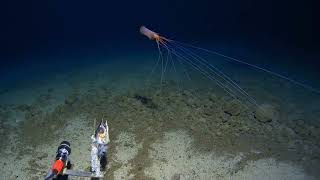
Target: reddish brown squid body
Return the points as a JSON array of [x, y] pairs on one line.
[[153, 35]]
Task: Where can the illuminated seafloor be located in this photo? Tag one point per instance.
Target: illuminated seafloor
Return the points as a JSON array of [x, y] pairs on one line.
[[179, 129]]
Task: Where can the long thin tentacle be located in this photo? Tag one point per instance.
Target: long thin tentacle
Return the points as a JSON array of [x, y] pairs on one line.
[[154, 67], [251, 65], [205, 73], [232, 92], [218, 72], [160, 52], [225, 79], [172, 62]]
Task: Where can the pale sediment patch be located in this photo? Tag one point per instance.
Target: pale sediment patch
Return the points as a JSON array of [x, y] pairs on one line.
[[174, 157], [123, 172], [78, 132], [29, 163], [126, 150], [10, 166], [34, 162], [266, 169]]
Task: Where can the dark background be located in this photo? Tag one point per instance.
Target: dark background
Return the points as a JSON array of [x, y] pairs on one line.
[[78, 27]]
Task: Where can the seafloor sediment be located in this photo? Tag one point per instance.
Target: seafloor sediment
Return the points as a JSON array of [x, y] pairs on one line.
[[156, 132], [160, 133]]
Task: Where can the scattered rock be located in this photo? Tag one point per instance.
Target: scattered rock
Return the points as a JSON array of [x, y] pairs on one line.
[[218, 133], [203, 120], [142, 99], [225, 117], [213, 97], [23, 107], [315, 132], [42, 156], [70, 100], [232, 108], [266, 113], [301, 131], [186, 93], [245, 128], [176, 177], [207, 103], [299, 122], [208, 111], [190, 102], [146, 101]]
